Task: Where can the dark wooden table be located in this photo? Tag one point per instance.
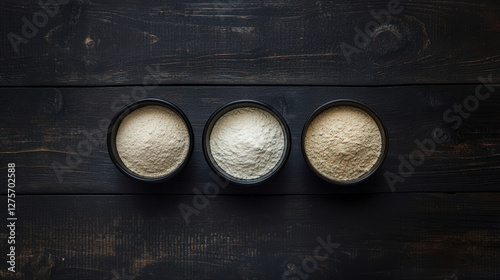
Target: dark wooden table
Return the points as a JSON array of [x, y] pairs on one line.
[[431, 71]]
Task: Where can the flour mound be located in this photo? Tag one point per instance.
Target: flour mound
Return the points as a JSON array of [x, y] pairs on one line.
[[343, 143], [152, 141], [247, 142]]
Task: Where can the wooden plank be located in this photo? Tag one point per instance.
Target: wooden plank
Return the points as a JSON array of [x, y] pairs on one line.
[[41, 126], [381, 236], [250, 42]]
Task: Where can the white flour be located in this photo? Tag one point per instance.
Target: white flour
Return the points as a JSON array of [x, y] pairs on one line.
[[152, 141], [247, 142], [343, 143]]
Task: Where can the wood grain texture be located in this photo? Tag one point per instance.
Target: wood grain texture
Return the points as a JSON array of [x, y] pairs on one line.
[[250, 42], [381, 236], [53, 126]]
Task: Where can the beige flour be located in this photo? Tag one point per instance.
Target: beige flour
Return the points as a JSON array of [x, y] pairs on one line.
[[343, 143], [152, 141], [247, 142]]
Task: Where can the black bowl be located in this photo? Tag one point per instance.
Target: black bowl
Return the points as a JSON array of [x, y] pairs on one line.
[[115, 124], [207, 131], [369, 111]]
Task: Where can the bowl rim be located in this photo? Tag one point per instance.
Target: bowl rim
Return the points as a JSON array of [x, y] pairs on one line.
[[222, 110], [127, 110], [372, 113]]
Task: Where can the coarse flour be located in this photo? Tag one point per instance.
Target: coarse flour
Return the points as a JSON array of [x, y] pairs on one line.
[[343, 143]]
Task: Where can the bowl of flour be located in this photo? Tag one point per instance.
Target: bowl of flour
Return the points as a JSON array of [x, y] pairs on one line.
[[246, 142], [150, 140], [344, 142]]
